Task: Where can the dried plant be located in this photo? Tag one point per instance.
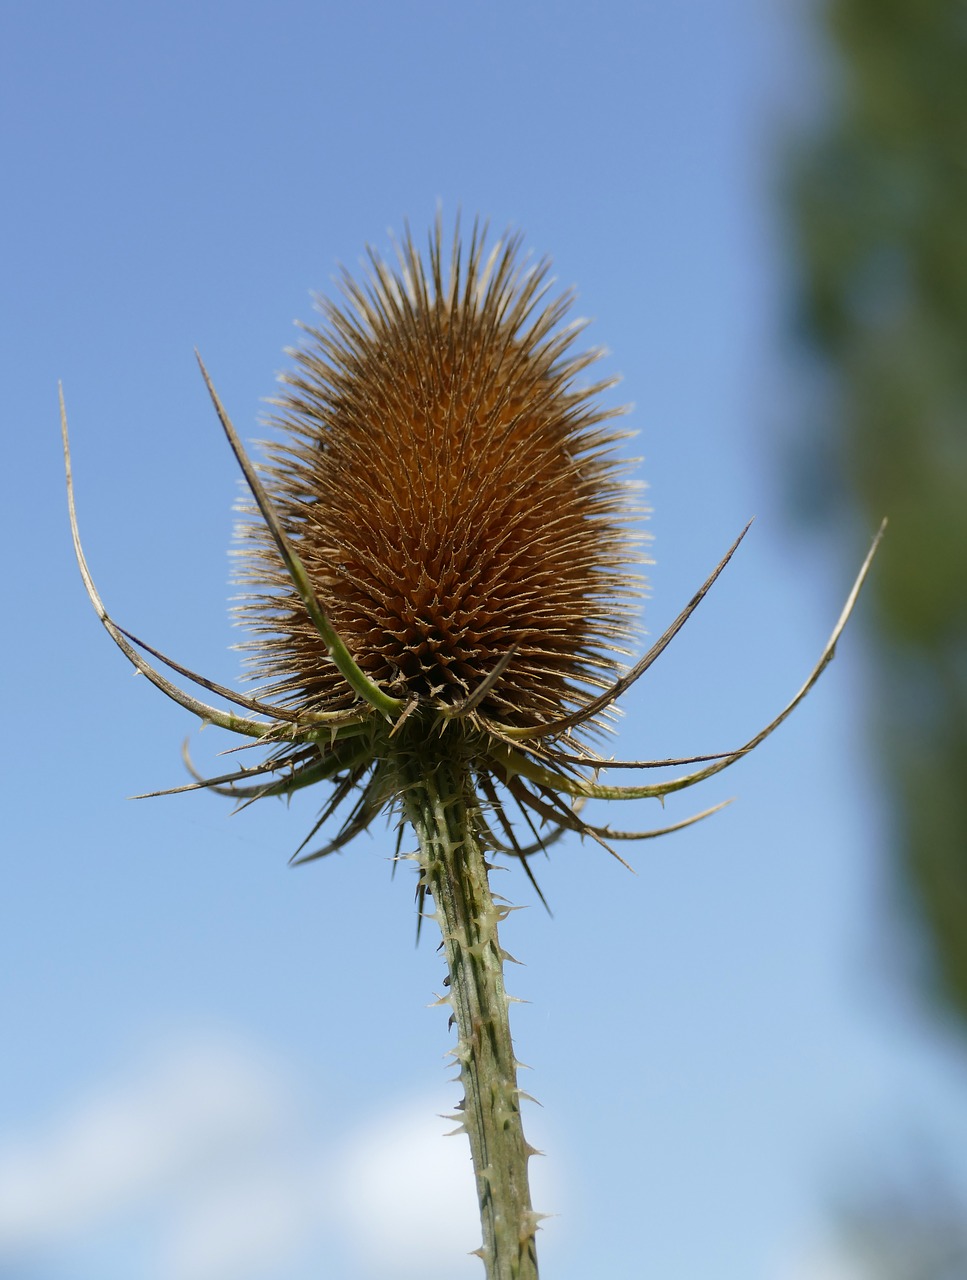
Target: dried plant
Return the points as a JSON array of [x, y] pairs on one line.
[[439, 565]]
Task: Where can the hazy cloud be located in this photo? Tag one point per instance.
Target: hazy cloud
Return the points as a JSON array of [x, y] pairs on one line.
[[204, 1149], [407, 1195], [172, 1118], [824, 1262]]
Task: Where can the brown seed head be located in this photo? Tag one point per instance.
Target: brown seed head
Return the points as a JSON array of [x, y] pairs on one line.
[[439, 564], [451, 492]]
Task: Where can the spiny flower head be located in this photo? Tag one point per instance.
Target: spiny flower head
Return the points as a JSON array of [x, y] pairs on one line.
[[452, 494], [438, 560]]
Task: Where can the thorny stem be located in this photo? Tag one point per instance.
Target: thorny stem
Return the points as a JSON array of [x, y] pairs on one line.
[[439, 804]]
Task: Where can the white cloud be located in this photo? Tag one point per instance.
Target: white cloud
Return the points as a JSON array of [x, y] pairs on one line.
[[246, 1225], [823, 1262], [406, 1194], [173, 1116], [201, 1161]]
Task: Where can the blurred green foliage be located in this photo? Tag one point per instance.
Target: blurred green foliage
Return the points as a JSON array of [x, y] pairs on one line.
[[878, 209]]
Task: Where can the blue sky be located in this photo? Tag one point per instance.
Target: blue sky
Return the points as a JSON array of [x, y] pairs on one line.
[[222, 1069]]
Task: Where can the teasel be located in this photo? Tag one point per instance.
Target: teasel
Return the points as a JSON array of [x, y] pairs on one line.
[[440, 563]]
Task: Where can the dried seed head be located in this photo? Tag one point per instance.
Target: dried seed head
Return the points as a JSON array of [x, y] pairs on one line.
[[452, 494], [443, 530]]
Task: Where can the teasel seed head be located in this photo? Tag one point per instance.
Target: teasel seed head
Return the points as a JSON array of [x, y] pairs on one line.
[[451, 484], [440, 560]]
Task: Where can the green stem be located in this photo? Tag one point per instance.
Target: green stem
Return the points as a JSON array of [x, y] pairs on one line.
[[440, 804]]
